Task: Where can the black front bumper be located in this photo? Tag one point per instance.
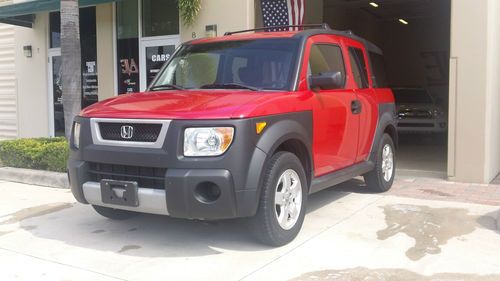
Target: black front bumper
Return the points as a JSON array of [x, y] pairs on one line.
[[236, 174]]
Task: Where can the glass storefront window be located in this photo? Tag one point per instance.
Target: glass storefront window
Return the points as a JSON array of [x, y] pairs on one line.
[[57, 96], [127, 23], [140, 52], [159, 18], [127, 46], [55, 30]]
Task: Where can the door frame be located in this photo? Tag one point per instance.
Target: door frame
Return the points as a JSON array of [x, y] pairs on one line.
[[53, 52]]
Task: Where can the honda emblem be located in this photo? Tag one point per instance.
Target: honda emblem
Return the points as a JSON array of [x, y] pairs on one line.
[[127, 132]]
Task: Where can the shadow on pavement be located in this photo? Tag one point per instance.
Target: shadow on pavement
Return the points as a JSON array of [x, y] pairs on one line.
[[490, 221], [156, 236]]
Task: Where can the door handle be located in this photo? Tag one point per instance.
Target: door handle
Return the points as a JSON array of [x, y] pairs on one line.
[[356, 107]]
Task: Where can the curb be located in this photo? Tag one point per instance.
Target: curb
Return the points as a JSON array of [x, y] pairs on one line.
[[35, 177]]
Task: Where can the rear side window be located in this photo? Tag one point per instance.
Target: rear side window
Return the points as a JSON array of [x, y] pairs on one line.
[[326, 58], [358, 65], [378, 68]]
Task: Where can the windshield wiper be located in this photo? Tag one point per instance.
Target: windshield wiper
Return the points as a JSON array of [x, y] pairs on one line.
[[229, 86], [166, 87]]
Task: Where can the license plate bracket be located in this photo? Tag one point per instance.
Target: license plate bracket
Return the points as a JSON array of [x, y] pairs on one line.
[[122, 193]]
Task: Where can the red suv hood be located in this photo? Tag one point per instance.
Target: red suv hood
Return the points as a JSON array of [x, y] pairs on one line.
[[202, 104]]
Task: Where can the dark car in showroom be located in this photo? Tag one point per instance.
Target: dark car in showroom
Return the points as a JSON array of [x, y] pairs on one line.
[[419, 112]]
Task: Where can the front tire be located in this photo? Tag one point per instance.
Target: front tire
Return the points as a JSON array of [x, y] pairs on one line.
[[283, 201], [114, 214], [380, 179]]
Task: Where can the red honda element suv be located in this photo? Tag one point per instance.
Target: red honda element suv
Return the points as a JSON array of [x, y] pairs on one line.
[[244, 125]]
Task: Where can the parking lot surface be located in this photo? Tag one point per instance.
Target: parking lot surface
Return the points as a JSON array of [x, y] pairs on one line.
[[347, 235]]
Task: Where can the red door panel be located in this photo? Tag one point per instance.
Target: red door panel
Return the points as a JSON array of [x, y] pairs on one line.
[[367, 122], [335, 137], [365, 93], [335, 131]]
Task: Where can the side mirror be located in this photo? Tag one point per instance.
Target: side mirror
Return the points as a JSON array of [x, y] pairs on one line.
[[327, 80]]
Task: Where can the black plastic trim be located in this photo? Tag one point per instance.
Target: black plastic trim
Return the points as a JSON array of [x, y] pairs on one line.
[[77, 175], [386, 118], [340, 176], [238, 172], [345, 33]]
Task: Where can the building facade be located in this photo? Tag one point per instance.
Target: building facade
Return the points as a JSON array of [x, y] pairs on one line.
[[125, 42]]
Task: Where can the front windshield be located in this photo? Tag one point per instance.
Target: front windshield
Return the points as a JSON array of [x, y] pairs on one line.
[[263, 64]]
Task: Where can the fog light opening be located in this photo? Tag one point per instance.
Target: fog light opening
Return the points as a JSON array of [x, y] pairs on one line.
[[207, 192]]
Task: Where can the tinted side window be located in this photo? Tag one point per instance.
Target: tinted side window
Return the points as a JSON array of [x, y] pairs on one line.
[[326, 58], [378, 68], [358, 65]]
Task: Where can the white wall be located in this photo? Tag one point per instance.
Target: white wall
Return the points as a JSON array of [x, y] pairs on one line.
[[468, 88], [229, 15], [31, 73], [105, 60], [493, 92], [8, 93]]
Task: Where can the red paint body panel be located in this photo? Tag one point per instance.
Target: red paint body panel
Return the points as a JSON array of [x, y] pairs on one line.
[[203, 104], [369, 114]]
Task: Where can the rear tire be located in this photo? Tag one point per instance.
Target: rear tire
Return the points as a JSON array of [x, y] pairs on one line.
[[114, 214], [283, 201], [380, 179]]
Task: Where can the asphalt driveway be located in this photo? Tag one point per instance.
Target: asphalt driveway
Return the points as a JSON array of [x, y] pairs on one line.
[[45, 235]]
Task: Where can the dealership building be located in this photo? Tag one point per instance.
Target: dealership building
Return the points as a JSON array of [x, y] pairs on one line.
[[451, 48]]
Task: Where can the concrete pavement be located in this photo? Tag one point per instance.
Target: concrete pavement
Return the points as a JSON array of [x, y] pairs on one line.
[[45, 235]]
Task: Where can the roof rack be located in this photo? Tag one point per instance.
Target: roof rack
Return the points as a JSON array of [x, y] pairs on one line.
[[322, 26]]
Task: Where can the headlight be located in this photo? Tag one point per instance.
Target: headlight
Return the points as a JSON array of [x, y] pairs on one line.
[[76, 135], [207, 141]]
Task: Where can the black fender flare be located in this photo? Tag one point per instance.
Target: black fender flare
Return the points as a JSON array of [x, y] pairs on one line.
[[280, 128], [387, 118]]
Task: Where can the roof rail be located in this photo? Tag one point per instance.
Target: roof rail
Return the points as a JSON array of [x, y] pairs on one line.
[[322, 26]]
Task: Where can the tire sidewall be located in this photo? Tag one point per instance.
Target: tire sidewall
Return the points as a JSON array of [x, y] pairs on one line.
[[281, 162], [386, 185]]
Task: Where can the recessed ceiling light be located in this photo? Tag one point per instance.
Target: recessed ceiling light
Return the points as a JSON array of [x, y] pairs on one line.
[[403, 21], [373, 4]]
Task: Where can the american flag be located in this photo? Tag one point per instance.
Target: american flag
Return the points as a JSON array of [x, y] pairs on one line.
[[283, 12]]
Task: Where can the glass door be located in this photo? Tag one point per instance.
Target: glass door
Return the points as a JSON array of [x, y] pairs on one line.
[[153, 54], [56, 114], [88, 42], [159, 29], [147, 35]]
